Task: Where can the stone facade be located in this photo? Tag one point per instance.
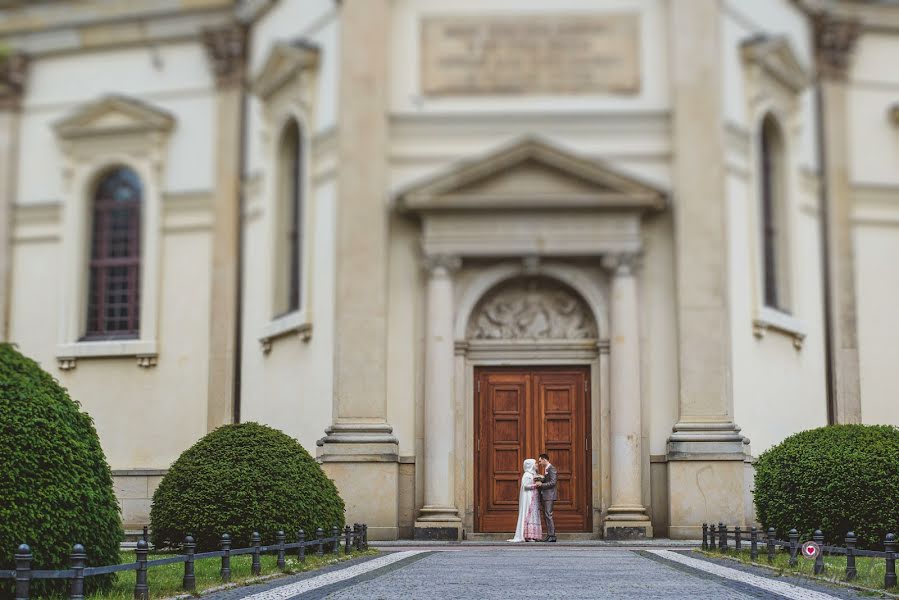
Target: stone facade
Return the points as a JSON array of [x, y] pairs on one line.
[[478, 185]]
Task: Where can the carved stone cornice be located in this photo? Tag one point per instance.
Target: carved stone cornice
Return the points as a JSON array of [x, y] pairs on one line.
[[13, 76], [622, 263], [226, 49], [834, 42]]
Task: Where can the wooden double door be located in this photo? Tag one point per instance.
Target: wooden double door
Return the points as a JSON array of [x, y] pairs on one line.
[[520, 413]]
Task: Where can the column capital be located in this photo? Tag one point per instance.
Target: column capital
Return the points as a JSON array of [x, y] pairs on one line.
[[834, 42], [13, 77], [226, 48], [441, 264], [622, 264]]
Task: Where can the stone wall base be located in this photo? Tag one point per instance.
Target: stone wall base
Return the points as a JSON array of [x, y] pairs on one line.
[[370, 489], [134, 491], [705, 491]]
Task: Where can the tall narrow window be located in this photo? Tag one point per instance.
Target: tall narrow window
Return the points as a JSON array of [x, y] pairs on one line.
[[288, 285], [773, 201], [113, 307]]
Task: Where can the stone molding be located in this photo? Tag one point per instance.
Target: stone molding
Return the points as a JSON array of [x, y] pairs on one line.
[[13, 78], [226, 48], [834, 43], [114, 115], [622, 264], [285, 62], [441, 264], [775, 57]]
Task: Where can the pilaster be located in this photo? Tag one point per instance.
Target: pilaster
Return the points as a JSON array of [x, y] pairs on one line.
[[359, 450], [226, 49], [626, 517], [13, 74], [834, 42], [705, 439], [439, 517]]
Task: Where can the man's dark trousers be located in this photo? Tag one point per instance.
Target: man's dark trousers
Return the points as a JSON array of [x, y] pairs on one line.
[[548, 496]]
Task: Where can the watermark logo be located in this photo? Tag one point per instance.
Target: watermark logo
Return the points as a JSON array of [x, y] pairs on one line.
[[811, 550]]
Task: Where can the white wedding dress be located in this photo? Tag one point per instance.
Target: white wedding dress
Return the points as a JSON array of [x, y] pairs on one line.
[[528, 527]]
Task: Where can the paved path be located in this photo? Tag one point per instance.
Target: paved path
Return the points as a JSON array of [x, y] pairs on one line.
[[570, 573]]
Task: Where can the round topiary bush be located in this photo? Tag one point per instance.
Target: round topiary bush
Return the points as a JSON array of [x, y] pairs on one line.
[[839, 478], [239, 479], [55, 485]]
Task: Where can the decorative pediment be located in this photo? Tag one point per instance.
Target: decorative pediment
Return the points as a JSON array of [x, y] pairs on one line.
[[775, 56], [114, 115], [283, 63], [530, 174]]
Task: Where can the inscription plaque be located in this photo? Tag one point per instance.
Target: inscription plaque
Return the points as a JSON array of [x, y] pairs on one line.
[[546, 54]]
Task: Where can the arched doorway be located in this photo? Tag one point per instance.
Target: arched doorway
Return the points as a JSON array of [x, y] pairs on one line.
[[525, 409]]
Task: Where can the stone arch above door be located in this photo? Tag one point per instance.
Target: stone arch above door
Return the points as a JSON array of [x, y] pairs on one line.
[[531, 308], [568, 278]]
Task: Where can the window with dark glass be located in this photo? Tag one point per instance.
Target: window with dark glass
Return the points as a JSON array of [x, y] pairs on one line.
[[772, 211], [113, 307], [288, 286]]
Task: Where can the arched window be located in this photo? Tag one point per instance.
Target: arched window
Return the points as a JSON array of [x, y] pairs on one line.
[[288, 277], [113, 306], [773, 213]]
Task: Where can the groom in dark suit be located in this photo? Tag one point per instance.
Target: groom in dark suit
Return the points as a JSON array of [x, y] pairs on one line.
[[548, 495]]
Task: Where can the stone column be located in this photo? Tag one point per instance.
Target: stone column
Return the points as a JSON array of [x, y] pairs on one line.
[[705, 450], [439, 518], [226, 49], [834, 41], [626, 517], [359, 450], [13, 70]]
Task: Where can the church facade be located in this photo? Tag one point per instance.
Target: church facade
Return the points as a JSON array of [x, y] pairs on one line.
[[432, 238]]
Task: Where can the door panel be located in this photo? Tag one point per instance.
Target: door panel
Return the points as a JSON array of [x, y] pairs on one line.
[[521, 413]]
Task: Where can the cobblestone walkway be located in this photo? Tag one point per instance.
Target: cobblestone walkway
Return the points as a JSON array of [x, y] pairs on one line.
[[568, 573]]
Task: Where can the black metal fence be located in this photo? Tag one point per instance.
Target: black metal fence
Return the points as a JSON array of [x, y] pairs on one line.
[[721, 537], [353, 538]]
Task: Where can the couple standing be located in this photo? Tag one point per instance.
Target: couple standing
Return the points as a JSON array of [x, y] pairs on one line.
[[538, 493]]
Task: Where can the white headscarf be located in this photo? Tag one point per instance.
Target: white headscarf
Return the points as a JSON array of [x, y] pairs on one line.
[[530, 466]]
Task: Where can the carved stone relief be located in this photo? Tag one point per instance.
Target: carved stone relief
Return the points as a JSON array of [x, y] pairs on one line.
[[532, 308]]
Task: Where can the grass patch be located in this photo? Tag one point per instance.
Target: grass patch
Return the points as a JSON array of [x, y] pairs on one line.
[[165, 581], [871, 571]]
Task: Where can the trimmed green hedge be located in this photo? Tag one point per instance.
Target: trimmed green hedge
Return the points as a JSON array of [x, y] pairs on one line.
[[55, 485], [839, 478], [239, 479]]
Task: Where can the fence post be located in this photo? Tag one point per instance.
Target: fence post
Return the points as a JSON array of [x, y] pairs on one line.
[[335, 547], [225, 571], [357, 536], [256, 569], [818, 538], [889, 546], [319, 537], [738, 542], [722, 531], [141, 589], [364, 536], [146, 534], [189, 581], [282, 564], [347, 540], [851, 571], [753, 544], [23, 572], [705, 536], [794, 546], [76, 561], [301, 551], [769, 543]]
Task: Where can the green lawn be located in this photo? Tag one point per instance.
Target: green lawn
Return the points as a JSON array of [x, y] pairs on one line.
[[165, 581], [870, 570]]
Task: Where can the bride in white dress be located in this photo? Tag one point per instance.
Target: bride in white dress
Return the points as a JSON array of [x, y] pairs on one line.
[[528, 528]]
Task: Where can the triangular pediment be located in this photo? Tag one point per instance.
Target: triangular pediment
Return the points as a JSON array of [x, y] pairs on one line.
[[530, 174], [776, 57], [111, 115], [285, 60]]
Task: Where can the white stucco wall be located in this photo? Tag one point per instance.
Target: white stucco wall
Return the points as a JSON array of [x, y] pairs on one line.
[[145, 416], [874, 173], [777, 388]]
